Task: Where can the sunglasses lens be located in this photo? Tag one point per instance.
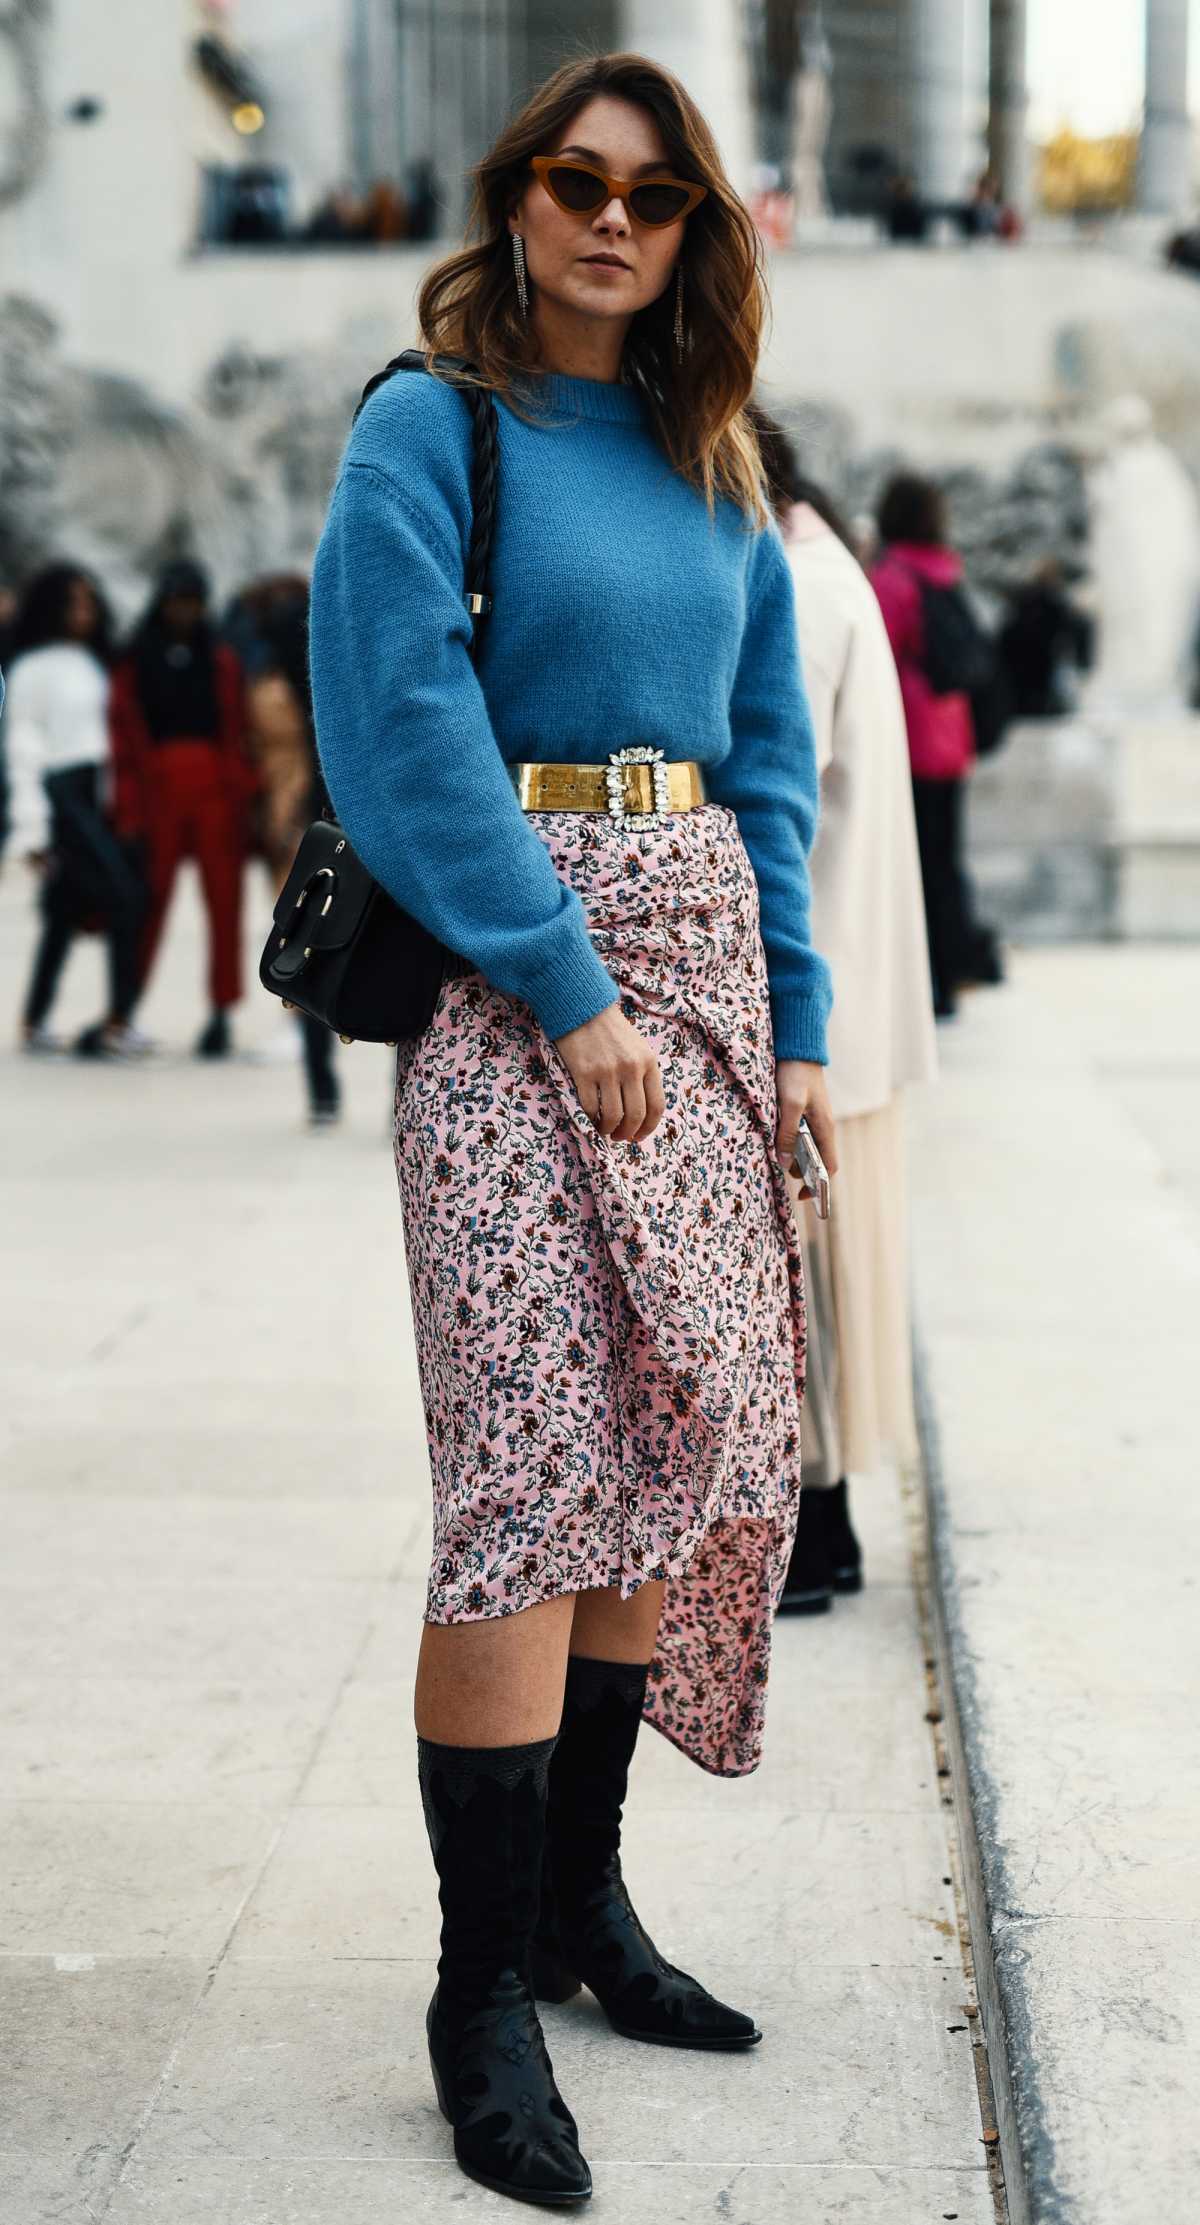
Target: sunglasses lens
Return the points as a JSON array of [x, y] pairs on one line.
[[658, 202], [577, 189]]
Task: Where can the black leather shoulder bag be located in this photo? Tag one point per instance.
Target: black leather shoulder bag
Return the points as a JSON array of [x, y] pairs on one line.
[[341, 949]]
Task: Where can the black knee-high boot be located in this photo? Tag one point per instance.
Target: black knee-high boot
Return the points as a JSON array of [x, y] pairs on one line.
[[587, 1929], [486, 1813]]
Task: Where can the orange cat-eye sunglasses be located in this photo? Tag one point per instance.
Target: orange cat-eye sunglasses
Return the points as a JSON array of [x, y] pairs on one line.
[[580, 189]]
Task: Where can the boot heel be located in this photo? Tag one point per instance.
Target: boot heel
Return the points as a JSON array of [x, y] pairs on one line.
[[439, 2089], [550, 1978]]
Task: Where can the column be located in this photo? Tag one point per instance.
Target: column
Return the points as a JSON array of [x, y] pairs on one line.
[[701, 40], [1165, 167], [1008, 122], [944, 152], [376, 108]]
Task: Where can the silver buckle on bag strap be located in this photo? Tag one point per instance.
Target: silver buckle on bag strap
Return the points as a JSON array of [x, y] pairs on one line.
[[619, 807], [323, 873]]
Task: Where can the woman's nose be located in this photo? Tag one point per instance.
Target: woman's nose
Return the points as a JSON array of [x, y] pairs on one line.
[[615, 214]]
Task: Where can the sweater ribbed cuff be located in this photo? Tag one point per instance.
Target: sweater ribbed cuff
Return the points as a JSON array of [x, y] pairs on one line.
[[798, 1017], [572, 988]]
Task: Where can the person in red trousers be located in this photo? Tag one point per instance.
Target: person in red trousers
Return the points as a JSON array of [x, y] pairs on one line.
[[184, 778]]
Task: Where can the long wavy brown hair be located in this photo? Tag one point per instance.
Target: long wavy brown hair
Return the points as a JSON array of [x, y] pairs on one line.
[[468, 304]]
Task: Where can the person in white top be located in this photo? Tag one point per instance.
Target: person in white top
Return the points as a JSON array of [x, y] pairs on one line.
[[57, 752], [868, 919]]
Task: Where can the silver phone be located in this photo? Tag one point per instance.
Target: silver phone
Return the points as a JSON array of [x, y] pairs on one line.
[[809, 1169]]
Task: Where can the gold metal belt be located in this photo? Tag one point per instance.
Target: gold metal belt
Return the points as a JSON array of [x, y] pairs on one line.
[[636, 783]]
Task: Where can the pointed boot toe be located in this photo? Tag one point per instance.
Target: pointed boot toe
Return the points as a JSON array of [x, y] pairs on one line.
[[495, 2085], [672, 2009], [604, 1944]]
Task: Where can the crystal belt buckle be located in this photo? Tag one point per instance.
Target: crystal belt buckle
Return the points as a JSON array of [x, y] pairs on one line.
[[618, 809]]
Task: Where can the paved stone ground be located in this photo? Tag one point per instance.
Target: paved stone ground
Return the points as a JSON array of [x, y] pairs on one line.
[[219, 1915], [1057, 1195]]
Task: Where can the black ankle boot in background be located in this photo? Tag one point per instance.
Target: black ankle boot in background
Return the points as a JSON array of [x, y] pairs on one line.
[[215, 1039], [587, 1931], [485, 1808], [808, 1587], [845, 1552], [826, 1557]]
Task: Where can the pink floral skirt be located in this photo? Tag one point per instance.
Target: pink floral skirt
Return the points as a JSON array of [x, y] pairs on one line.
[[610, 1336]]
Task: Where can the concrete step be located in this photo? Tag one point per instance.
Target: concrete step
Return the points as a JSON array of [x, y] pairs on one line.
[[1057, 1254]]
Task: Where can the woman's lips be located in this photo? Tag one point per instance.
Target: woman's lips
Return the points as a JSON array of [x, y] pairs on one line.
[[603, 262]]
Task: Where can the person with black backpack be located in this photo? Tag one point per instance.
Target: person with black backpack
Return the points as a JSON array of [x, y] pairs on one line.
[[947, 665]]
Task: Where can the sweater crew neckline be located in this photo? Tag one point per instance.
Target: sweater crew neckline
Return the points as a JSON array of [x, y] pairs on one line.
[[606, 401]]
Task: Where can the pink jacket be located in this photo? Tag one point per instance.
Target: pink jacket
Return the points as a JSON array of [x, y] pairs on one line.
[[941, 737]]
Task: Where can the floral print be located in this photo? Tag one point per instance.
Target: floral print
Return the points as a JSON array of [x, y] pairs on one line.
[[610, 1336]]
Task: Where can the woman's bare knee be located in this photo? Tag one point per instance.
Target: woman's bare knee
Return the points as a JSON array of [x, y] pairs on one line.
[[497, 1682]]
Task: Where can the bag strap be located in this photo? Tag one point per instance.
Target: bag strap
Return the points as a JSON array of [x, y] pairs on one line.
[[485, 472]]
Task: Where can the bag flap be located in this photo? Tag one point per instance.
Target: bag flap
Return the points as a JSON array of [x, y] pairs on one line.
[[324, 897]]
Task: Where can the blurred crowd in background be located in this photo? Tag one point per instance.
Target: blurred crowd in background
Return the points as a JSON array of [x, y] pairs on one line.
[[192, 740], [252, 207]]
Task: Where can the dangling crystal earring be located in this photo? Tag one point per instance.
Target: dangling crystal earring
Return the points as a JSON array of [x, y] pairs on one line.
[[679, 312], [519, 267]]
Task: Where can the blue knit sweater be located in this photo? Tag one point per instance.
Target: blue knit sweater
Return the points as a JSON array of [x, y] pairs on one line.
[[622, 614]]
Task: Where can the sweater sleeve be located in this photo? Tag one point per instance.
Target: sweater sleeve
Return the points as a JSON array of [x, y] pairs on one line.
[[769, 780], [405, 741]]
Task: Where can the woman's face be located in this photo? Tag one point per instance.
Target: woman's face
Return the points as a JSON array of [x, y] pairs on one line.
[[81, 615], [561, 250]]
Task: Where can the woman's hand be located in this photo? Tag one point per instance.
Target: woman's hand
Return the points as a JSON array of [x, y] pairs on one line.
[[801, 1092], [616, 1075]]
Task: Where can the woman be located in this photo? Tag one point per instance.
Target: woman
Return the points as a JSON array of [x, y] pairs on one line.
[[291, 793], [868, 920], [916, 562], [56, 730], [605, 1274], [183, 776]]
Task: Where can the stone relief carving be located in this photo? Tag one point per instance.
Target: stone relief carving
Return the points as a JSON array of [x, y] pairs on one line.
[[1005, 522], [31, 431], [97, 466], [94, 465], [24, 121]]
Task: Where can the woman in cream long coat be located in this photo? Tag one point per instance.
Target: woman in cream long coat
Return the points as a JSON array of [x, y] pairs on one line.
[[869, 921]]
